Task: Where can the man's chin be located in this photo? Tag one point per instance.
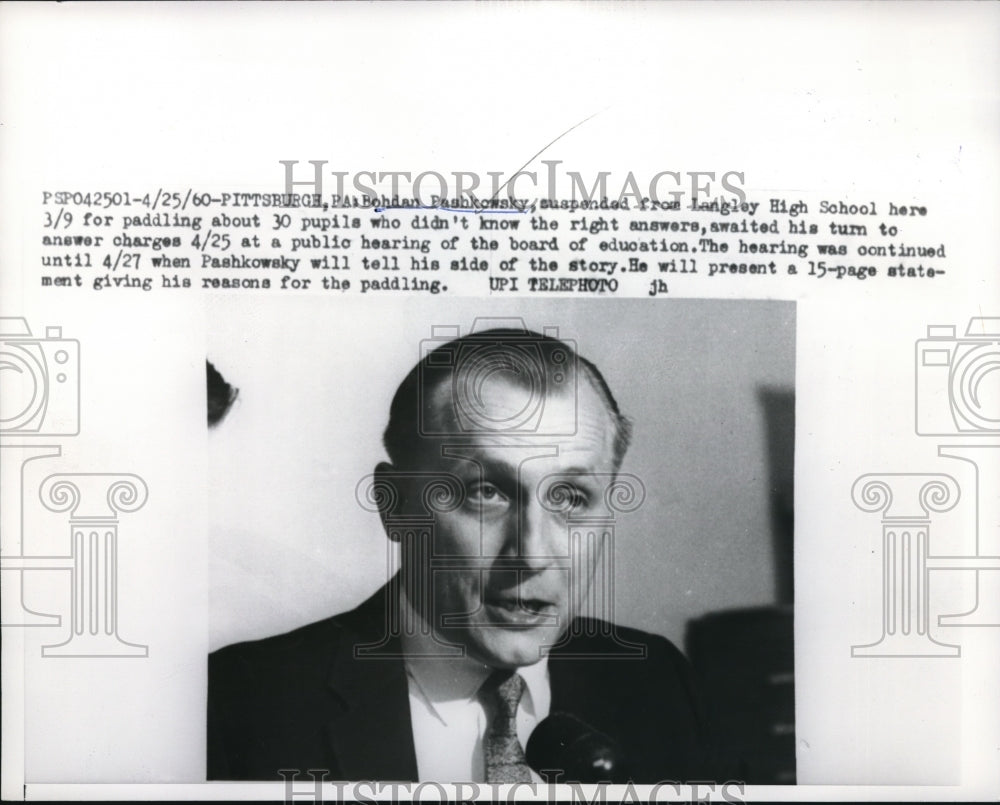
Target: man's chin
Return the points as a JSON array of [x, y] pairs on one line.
[[505, 648]]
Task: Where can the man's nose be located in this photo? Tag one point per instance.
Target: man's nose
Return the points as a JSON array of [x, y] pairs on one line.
[[537, 540]]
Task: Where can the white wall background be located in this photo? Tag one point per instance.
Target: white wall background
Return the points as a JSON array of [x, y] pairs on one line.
[[289, 543]]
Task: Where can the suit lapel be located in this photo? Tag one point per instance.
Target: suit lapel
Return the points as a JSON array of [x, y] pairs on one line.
[[371, 737], [581, 684], [569, 681]]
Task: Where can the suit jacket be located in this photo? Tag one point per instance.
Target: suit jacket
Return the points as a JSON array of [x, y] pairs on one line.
[[302, 701]]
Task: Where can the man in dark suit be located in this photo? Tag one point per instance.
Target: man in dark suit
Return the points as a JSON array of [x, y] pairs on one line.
[[505, 448]]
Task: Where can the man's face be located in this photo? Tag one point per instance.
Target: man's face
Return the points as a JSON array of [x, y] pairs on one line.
[[510, 537]]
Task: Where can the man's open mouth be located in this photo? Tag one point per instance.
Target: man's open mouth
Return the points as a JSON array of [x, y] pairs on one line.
[[514, 609]]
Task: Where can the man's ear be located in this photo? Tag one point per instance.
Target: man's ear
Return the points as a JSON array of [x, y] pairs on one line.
[[387, 479]]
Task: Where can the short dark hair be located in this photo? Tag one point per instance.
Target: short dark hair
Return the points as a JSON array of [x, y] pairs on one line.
[[413, 405]]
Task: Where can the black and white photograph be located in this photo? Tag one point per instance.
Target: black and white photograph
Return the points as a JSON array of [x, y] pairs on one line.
[[559, 502], [589, 402]]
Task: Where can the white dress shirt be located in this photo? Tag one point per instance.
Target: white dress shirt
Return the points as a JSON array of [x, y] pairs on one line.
[[448, 719]]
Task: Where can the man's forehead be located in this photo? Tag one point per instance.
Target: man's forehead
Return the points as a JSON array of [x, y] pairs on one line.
[[502, 414]]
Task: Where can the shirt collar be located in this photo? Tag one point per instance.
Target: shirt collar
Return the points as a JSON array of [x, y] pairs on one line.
[[446, 680]]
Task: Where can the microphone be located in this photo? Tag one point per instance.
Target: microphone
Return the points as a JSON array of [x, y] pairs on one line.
[[562, 742]]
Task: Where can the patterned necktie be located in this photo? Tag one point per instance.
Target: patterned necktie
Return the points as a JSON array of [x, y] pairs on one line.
[[505, 762]]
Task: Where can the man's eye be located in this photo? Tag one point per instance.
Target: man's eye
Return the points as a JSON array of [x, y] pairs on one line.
[[568, 498], [486, 492]]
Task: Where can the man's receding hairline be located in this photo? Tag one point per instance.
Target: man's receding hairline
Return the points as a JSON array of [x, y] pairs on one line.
[[439, 397], [414, 402]]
